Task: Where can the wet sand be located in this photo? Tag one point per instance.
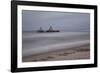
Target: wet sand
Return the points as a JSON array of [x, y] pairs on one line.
[[81, 52]]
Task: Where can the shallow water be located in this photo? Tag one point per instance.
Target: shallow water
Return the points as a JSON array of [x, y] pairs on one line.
[[35, 43]]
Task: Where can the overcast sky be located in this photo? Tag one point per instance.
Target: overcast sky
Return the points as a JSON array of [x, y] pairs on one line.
[[63, 21]]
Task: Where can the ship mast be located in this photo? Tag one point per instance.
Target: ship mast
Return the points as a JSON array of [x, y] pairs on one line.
[[41, 29], [50, 28]]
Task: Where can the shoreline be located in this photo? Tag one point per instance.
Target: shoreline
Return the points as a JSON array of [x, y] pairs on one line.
[[81, 52]]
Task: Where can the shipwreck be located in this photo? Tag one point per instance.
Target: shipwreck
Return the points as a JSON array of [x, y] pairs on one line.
[[49, 30]]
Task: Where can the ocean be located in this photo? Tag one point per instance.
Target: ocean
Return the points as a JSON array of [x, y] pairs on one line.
[[35, 43]]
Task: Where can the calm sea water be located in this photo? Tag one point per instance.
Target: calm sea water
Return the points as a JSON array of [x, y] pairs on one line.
[[35, 43]]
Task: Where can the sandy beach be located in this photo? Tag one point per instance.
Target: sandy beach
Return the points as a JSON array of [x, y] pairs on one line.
[[81, 52]]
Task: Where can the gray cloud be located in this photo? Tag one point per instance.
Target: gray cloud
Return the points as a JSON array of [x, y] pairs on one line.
[[64, 21]]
